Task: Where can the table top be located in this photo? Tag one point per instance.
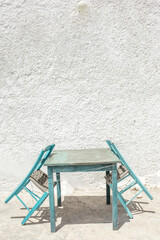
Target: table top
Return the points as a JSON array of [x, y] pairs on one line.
[[82, 157]]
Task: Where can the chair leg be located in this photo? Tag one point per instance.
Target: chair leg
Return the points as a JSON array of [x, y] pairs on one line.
[[17, 190], [58, 189], [123, 202], [14, 193], [36, 206], [10, 196]]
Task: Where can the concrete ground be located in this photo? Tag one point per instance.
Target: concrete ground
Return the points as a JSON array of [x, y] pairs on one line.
[[83, 216]]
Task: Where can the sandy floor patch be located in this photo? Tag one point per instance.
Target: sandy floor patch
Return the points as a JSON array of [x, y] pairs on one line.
[[84, 215]]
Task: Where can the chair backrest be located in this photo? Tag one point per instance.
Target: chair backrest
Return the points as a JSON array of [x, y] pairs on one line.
[[110, 144], [118, 154], [44, 154]]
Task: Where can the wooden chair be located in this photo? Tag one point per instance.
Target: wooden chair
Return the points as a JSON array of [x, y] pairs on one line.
[[39, 178], [123, 172]]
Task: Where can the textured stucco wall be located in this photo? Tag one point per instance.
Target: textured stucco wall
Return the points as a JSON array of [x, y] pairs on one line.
[[77, 78]]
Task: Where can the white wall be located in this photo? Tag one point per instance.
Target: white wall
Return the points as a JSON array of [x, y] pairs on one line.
[[78, 78]]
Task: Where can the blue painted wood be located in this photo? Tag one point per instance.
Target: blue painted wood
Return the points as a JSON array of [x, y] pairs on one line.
[[49, 147], [132, 174], [47, 152], [124, 177], [58, 189], [114, 198], [123, 202], [51, 199], [134, 197], [128, 186], [25, 180], [31, 193], [83, 168], [82, 157], [44, 154], [107, 191], [36, 206], [130, 170], [111, 147], [22, 202]]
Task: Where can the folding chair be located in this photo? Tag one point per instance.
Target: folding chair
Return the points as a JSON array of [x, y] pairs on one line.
[[123, 172], [39, 178]]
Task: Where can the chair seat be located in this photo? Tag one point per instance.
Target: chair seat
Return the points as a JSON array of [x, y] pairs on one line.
[[122, 171], [40, 179]]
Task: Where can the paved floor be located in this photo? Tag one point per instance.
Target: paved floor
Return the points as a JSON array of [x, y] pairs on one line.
[[84, 215]]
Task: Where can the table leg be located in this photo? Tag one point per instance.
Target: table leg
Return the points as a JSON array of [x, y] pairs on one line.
[[107, 191], [51, 199], [114, 198], [58, 189]]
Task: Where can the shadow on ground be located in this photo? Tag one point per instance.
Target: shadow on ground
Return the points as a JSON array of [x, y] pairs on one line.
[[84, 210]]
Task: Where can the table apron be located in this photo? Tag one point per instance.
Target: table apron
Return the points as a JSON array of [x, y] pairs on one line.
[[83, 168]]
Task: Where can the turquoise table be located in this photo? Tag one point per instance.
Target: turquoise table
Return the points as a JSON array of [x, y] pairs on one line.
[[84, 160]]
